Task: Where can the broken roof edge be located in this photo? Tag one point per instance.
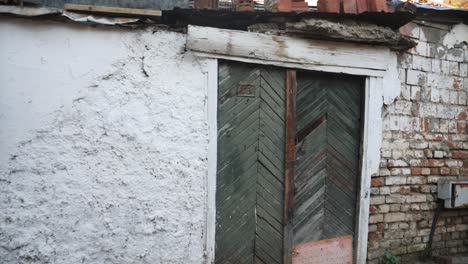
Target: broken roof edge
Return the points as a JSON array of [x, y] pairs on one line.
[[221, 18], [242, 20], [287, 23]]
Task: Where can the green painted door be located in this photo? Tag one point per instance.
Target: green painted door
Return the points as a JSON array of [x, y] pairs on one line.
[[250, 169], [328, 129], [251, 160]]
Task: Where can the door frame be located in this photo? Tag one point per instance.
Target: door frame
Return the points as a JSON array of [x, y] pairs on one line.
[[377, 64]]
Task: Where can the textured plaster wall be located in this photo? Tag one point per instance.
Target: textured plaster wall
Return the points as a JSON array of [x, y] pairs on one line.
[[103, 145]]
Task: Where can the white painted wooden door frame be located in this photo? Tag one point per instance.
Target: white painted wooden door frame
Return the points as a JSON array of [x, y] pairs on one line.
[[377, 64]]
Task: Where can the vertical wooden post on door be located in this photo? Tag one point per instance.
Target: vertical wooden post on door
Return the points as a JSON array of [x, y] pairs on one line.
[[290, 157]]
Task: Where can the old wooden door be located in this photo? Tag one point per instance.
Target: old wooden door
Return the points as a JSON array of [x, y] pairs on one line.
[[328, 125], [250, 170], [251, 189]]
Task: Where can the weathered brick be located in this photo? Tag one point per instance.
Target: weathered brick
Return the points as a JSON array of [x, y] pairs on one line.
[[455, 55], [435, 95], [432, 163], [453, 163], [415, 93], [384, 190], [394, 217], [415, 77], [444, 67], [395, 207], [379, 181], [435, 65], [375, 218], [421, 49], [384, 208], [425, 171], [405, 171], [463, 69], [434, 125], [458, 83], [419, 154], [404, 190], [462, 98], [428, 188], [460, 154], [461, 126], [376, 200], [418, 145], [416, 248], [453, 126], [454, 171], [395, 180], [433, 179], [453, 68], [395, 198], [372, 236], [416, 198], [416, 180], [453, 97], [395, 171], [444, 171]]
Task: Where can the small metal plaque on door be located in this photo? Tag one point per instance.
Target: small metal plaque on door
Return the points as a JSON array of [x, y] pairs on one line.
[[246, 90]]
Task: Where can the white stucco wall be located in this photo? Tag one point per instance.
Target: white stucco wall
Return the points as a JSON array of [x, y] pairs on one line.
[[103, 145]]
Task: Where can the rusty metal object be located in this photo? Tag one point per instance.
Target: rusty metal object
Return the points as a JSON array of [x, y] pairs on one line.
[[331, 251]]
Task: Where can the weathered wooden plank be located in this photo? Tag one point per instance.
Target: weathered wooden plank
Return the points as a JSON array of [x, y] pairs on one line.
[[269, 240], [388, 76], [113, 10], [285, 49]]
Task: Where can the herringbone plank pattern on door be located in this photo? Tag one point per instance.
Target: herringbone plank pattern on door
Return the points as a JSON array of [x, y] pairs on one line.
[[327, 156], [251, 134]]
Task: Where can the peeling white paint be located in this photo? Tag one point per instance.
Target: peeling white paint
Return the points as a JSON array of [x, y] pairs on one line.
[[458, 34], [103, 146], [391, 80]]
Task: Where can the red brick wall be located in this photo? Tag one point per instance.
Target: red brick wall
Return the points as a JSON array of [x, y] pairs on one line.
[[424, 140]]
